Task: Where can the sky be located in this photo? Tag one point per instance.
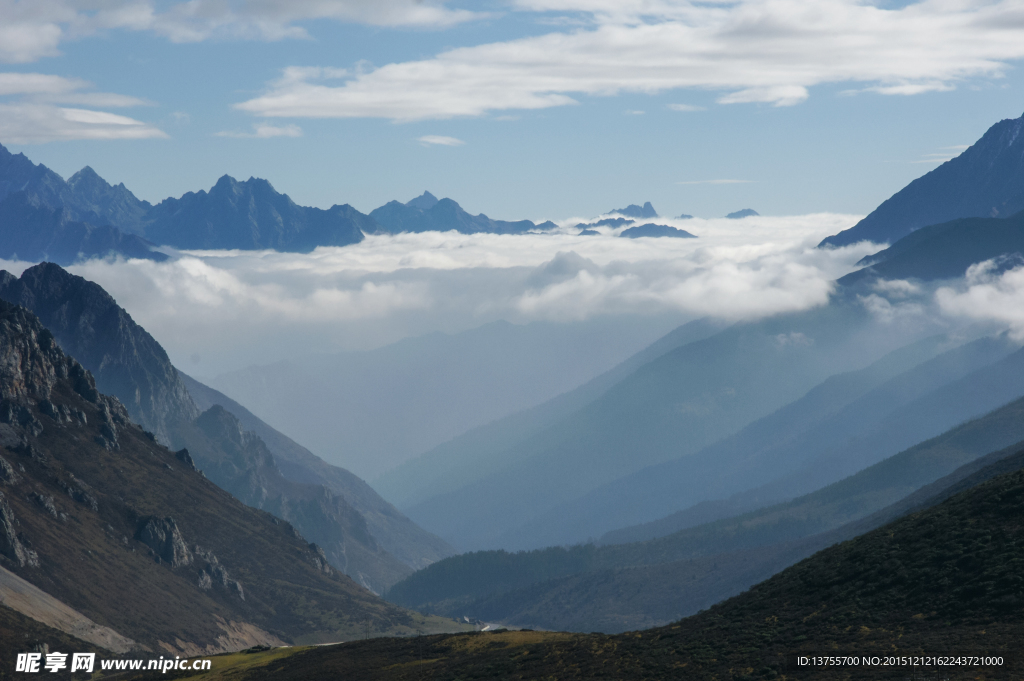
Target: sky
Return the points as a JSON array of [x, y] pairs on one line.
[[537, 109], [811, 112]]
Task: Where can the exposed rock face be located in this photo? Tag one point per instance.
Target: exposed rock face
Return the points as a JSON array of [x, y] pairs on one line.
[[89, 325], [10, 543], [985, 181], [85, 520], [163, 536], [213, 574]]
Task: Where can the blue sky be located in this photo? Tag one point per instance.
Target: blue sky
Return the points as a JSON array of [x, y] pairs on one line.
[[546, 108]]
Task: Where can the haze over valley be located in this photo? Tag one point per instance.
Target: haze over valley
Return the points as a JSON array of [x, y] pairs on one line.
[[512, 340]]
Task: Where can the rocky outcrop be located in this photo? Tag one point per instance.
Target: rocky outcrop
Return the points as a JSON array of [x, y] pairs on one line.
[[89, 325], [213, 574], [164, 538], [11, 545]]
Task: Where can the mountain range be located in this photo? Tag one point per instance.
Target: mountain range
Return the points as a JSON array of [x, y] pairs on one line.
[[130, 364], [985, 181], [938, 576], [42, 217], [135, 546]]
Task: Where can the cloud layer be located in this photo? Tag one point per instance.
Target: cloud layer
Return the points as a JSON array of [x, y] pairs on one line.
[[213, 304], [31, 30], [33, 113], [753, 51]]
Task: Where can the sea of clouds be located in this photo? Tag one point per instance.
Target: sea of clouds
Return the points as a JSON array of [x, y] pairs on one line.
[[215, 311]]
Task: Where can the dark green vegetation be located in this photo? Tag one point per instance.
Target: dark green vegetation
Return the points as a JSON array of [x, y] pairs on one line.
[[626, 586], [939, 582], [426, 213], [985, 181], [98, 515], [132, 366]]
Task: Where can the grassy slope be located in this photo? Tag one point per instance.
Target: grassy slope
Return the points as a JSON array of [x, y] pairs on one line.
[[474, 583], [943, 581]]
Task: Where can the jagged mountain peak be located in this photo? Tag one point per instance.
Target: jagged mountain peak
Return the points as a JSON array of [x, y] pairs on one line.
[[424, 201], [635, 211]]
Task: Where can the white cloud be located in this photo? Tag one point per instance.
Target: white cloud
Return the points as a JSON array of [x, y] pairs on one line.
[[754, 51], [264, 131], [989, 293], [26, 123], [31, 30], [685, 107], [388, 287], [432, 140], [34, 113]]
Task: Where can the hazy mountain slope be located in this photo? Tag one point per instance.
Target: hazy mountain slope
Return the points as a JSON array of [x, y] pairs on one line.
[[90, 326], [986, 180], [667, 409], [129, 363], [368, 411], [941, 581], [944, 251], [130, 535], [843, 407], [240, 463], [426, 213], [619, 600], [32, 231], [765, 539], [251, 215], [399, 536], [481, 451]]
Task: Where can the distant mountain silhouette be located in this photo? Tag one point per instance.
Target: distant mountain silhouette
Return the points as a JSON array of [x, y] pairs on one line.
[[251, 215], [426, 213], [651, 229], [745, 213], [986, 180], [31, 230], [635, 211], [86, 197]]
